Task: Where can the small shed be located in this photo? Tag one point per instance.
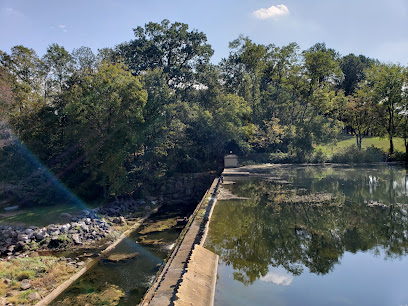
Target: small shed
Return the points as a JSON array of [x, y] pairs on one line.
[[231, 161]]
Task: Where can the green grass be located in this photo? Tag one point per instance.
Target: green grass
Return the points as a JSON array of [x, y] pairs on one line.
[[40, 215], [347, 141]]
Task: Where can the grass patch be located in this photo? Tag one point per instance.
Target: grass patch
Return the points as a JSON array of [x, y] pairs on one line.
[[347, 141], [44, 273], [41, 215], [109, 295]]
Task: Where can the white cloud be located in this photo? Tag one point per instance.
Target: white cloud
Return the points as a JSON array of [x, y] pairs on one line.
[[271, 12], [9, 11], [62, 27], [278, 276]]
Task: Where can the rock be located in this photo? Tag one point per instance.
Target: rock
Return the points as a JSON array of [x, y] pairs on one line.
[[11, 208], [19, 246], [22, 237], [29, 232], [119, 220], [121, 257], [76, 239], [182, 221], [34, 296], [25, 284], [65, 228], [54, 242], [85, 228], [39, 236], [7, 281], [66, 215], [54, 232]]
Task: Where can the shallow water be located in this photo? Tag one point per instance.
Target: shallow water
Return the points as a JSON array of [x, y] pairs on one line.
[[313, 236], [134, 275]]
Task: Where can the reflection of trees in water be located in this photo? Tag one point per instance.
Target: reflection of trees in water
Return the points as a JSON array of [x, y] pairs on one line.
[[270, 230]]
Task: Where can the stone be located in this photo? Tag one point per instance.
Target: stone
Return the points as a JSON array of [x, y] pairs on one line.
[[66, 215], [19, 246], [22, 237], [7, 281], [84, 227], [25, 284], [54, 242], [39, 236], [34, 296], [29, 231], [65, 228], [76, 239]]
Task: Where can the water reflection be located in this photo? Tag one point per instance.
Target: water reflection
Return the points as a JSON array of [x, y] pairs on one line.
[[306, 218], [278, 276]]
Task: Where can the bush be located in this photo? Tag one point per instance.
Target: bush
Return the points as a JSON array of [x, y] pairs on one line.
[[351, 154]]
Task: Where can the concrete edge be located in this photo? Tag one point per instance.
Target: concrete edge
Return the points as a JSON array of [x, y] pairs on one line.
[[162, 273], [207, 225], [61, 288], [198, 282]]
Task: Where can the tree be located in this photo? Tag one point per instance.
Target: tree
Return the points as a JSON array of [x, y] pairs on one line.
[[321, 65], [386, 87], [267, 135], [58, 65], [360, 115], [171, 47], [353, 67], [20, 74], [242, 71], [85, 59], [105, 115], [23, 63]]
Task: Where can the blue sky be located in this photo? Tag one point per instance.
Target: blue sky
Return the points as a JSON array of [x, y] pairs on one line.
[[376, 28]]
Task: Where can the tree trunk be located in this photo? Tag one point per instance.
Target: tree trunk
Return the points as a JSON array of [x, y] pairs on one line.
[[358, 140], [391, 145]]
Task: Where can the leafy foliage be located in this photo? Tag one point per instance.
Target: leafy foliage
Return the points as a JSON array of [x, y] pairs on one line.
[[108, 123]]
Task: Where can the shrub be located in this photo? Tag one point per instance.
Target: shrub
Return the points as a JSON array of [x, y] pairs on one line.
[[351, 154]]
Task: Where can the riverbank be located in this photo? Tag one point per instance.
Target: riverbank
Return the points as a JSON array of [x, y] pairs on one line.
[[37, 261]]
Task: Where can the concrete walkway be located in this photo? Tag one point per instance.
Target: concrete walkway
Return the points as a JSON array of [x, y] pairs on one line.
[[166, 286]]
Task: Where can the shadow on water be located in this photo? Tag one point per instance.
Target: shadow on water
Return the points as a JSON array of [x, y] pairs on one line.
[[123, 276]]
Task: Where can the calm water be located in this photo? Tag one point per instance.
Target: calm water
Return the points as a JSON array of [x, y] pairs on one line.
[[134, 275], [313, 236]]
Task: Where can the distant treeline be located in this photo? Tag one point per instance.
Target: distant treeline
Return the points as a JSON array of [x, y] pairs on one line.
[[107, 123]]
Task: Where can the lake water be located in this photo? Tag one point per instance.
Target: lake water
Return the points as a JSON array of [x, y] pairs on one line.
[[313, 235]]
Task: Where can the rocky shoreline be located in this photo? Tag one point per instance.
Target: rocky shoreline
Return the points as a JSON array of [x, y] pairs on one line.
[[90, 226]]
